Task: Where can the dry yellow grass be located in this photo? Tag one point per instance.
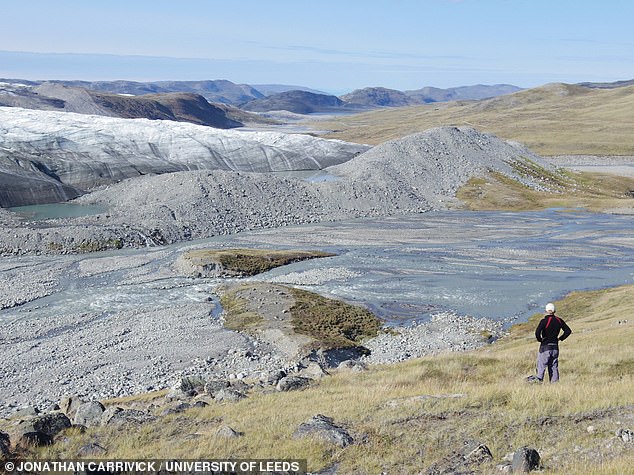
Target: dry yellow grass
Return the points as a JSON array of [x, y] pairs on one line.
[[555, 119], [398, 431]]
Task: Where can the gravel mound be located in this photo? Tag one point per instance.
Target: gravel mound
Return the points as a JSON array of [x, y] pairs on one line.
[[415, 174]]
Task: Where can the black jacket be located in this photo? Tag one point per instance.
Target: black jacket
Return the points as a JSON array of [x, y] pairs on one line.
[[547, 332]]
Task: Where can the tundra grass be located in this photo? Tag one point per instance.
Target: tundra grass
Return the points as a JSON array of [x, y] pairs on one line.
[[591, 191], [410, 417], [551, 120]]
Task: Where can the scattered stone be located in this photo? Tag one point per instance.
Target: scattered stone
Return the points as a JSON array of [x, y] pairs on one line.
[[239, 385], [525, 460], [69, 405], [117, 416], [191, 386], [313, 370], [292, 383], [48, 424], [215, 385], [479, 455], [89, 414], [334, 357], [228, 433], [272, 377], [324, 428], [626, 435], [91, 450], [353, 365], [229, 395]]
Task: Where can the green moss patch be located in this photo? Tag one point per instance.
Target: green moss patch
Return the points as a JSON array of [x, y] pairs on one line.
[[248, 262], [332, 323]]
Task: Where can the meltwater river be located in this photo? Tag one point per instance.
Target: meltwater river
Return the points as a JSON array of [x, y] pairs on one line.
[[500, 265]]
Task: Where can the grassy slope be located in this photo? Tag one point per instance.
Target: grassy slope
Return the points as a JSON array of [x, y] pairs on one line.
[[404, 435], [551, 120]]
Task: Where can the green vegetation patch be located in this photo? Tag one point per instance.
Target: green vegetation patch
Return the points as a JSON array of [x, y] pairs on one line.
[[248, 262], [237, 315], [332, 323]]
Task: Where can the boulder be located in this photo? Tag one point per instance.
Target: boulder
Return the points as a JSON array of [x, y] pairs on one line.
[[229, 395], [69, 404], [352, 365], [313, 370], [228, 433], [215, 385], [292, 383], [625, 435], [48, 424], [334, 357], [525, 460], [117, 416], [324, 428], [89, 414], [271, 378]]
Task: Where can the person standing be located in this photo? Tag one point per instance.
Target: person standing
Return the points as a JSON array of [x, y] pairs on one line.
[[547, 333]]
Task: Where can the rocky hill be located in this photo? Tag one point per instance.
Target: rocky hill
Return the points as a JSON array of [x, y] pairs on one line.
[[299, 102], [378, 97], [53, 156], [462, 93]]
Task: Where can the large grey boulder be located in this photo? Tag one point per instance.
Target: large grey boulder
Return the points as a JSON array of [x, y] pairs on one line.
[[89, 414], [229, 395], [69, 405], [525, 460], [41, 430], [292, 383], [324, 428], [48, 424]]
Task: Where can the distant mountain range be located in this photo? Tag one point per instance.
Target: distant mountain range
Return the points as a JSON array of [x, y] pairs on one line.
[[224, 104]]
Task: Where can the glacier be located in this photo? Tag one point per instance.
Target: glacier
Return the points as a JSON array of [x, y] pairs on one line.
[[49, 156]]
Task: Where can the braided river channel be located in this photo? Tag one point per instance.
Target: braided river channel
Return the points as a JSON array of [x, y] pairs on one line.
[[504, 266]]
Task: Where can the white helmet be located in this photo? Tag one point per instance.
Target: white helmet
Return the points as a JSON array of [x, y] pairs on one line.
[[550, 307]]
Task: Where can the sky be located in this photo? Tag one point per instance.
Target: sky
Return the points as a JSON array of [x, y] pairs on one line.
[[331, 46]]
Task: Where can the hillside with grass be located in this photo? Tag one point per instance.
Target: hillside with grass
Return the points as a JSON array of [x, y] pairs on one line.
[[422, 415], [556, 119]]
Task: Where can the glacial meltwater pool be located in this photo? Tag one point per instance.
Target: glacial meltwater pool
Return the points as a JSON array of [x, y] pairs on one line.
[[500, 265]]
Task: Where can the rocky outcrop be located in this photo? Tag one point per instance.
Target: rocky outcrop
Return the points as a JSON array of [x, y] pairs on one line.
[[55, 156], [324, 428]]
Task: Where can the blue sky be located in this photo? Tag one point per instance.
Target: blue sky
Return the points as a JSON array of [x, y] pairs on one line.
[[334, 46]]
